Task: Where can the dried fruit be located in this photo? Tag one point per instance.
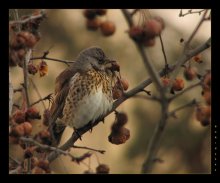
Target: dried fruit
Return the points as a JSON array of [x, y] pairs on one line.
[[207, 96], [149, 42], [38, 170], [101, 12], [93, 24], [190, 73], [124, 83], [207, 80], [18, 130], [152, 28], [43, 68], [161, 20], [120, 136], [198, 58], [121, 118], [19, 116], [107, 28], [89, 13], [117, 93], [178, 84], [44, 164], [165, 81], [103, 168], [33, 113], [32, 69], [28, 153], [34, 161], [27, 128], [13, 140], [203, 114], [136, 33], [27, 39]]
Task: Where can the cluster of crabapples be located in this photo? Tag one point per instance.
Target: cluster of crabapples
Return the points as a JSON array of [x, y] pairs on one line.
[[203, 112], [119, 134], [145, 34], [22, 126], [23, 37], [94, 22], [100, 169]]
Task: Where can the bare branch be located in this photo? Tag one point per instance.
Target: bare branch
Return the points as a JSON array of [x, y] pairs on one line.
[[53, 59], [185, 90], [196, 29], [33, 17], [189, 104], [88, 148], [190, 12], [134, 12], [11, 92]]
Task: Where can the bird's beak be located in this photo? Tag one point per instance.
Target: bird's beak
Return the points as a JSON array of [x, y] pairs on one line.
[[112, 65]]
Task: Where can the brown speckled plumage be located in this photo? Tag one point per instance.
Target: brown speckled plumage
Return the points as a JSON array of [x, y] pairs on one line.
[[83, 92]]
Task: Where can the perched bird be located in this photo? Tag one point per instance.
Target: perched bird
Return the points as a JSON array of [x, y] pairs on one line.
[[83, 91]]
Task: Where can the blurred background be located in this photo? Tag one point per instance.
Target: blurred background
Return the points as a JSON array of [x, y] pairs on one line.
[[185, 146]]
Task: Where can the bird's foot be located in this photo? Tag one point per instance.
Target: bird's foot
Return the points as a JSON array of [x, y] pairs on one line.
[[90, 126]]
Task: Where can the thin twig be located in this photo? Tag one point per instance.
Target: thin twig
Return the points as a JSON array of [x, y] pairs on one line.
[[52, 59], [190, 12], [25, 72], [189, 104], [134, 12], [196, 29], [11, 92], [88, 148], [26, 83], [185, 90], [18, 90], [146, 97], [32, 17], [164, 53], [39, 95]]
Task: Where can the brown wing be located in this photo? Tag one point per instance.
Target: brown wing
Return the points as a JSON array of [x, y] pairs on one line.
[[61, 91]]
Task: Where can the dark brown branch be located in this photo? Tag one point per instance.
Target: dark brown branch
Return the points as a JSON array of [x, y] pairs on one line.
[[195, 30], [189, 104], [33, 17], [190, 12], [25, 72], [154, 143], [185, 90], [164, 53], [88, 148], [134, 12], [53, 59]]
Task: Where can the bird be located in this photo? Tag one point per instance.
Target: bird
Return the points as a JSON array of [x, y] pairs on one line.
[[83, 92]]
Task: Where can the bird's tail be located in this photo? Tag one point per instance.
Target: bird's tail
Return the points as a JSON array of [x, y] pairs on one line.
[[56, 130]]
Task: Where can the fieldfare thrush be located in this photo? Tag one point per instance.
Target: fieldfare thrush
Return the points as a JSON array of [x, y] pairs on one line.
[[83, 91]]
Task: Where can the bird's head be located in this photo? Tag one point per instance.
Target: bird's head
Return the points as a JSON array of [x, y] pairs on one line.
[[95, 58]]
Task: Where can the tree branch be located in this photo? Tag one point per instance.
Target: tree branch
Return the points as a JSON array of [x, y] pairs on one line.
[[189, 104], [52, 59], [32, 17]]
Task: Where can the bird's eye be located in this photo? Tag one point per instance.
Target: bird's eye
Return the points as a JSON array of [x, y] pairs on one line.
[[100, 61]]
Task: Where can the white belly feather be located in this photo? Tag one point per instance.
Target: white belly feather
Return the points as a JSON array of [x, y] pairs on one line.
[[90, 108]]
